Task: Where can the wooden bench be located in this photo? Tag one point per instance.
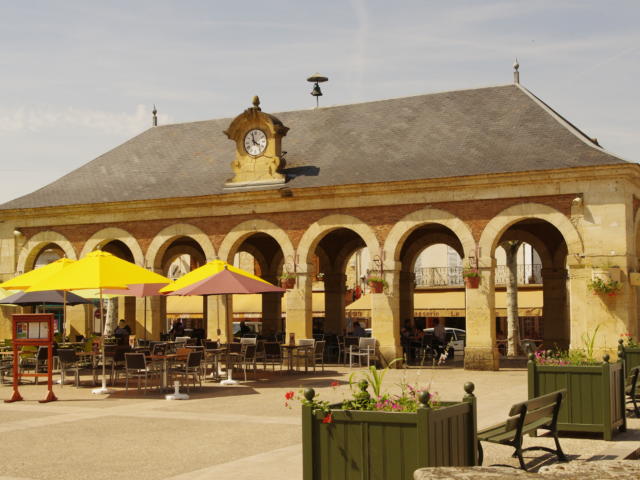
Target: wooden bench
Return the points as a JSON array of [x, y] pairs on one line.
[[526, 417], [631, 390]]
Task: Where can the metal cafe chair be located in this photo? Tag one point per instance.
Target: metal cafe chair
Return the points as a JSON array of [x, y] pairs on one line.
[[272, 355], [191, 368], [136, 367], [366, 349]]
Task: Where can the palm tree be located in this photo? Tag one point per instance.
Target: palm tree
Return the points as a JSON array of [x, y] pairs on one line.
[[513, 325]]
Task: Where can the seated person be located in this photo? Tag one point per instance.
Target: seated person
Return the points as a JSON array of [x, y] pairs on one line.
[[358, 331], [177, 330], [122, 333]]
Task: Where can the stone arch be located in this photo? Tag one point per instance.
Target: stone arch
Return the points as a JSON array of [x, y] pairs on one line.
[[242, 231], [411, 254], [30, 251], [106, 235], [538, 245], [164, 237], [320, 228], [494, 230], [405, 226]]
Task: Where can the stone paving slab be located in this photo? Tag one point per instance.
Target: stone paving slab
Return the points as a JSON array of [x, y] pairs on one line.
[[224, 432]]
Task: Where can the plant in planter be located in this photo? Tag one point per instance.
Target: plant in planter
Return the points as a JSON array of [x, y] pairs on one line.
[[595, 390], [471, 276], [287, 280], [384, 436], [604, 287], [377, 284]]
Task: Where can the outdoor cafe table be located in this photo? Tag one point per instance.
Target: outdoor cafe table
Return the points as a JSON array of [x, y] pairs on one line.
[[164, 381], [290, 349], [216, 353], [95, 356]]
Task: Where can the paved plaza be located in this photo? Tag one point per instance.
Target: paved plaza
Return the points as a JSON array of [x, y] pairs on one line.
[[238, 432]]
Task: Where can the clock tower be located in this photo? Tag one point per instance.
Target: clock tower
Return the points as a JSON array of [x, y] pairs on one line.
[[258, 138]]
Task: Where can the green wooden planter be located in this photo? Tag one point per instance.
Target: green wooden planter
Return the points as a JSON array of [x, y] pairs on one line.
[[631, 356], [595, 395], [367, 445]]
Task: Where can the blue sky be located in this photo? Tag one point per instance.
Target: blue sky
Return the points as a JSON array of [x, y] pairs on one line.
[[79, 78]]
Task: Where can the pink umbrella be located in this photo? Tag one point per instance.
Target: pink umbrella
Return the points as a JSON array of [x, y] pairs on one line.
[[227, 282], [139, 290]]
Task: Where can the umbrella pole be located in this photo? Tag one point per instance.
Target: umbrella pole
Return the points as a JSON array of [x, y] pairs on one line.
[[64, 315], [229, 380], [145, 317], [104, 388]]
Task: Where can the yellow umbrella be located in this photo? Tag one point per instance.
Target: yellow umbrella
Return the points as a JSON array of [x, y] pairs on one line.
[[206, 271], [99, 270], [24, 281]]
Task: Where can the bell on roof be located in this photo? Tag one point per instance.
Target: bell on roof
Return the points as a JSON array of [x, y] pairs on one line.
[[316, 78]]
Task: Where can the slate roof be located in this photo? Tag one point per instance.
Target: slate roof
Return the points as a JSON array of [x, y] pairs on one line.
[[468, 132]]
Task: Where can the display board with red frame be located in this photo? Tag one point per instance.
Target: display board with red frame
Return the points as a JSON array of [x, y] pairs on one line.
[[32, 330]]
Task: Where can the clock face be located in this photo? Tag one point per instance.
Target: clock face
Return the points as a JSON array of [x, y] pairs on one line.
[[255, 141]]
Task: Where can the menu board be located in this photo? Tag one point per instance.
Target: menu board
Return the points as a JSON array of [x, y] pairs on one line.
[[22, 330], [32, 330]]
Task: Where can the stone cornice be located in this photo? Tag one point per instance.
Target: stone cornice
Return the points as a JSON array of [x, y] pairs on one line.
[[431, 191]]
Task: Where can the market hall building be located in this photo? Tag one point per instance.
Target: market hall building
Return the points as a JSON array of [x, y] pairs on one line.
[[302, 191]]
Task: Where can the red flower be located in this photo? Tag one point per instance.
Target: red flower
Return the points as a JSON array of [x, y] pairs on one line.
[[289, 395], [334, 384], [327, 419]]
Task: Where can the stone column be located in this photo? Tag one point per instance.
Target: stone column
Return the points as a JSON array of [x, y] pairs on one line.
[[271, 309], [481, 352], [407, 288], [156, 317], [140, 322], [385, 318], [219, 317], [555, 323], [335, 289], [299, 308]]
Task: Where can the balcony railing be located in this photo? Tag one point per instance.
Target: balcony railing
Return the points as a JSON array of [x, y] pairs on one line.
[[452, 276]]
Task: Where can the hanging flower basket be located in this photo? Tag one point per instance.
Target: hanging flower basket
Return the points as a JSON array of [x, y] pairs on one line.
[[288, 282], [472, 282], [471, 277], [376, 284]]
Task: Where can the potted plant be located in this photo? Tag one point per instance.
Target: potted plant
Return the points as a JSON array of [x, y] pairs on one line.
[[383, 436], [605, 281], [595, 399], [287, 280], [471, 277], [377, 284]]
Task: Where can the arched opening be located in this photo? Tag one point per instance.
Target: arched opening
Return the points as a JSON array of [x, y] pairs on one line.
[[180, 256], [537, 283], [431, 284], [261, 254], [125, 308], [48, 254], [343, 265], [118, 249]]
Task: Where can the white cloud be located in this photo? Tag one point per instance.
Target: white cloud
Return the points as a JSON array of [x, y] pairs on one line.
[[38, 119]]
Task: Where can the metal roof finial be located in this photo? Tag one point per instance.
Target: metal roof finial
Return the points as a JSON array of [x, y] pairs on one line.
[[155, 116], [256, 102], [516, 73]]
